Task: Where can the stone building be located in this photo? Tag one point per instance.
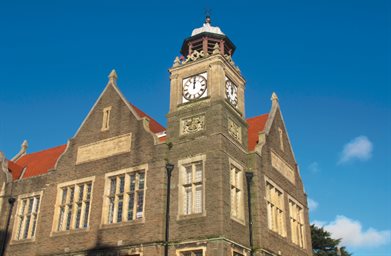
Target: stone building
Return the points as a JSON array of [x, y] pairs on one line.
[[105, 191]]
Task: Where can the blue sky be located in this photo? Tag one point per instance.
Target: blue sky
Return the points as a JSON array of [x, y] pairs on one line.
[[328, 61]]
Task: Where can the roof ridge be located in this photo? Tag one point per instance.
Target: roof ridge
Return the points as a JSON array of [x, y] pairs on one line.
[[257, 116]]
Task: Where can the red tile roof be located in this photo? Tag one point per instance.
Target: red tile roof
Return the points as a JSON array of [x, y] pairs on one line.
[[154, 126], [16, 170], [40, 162], [255, 125]]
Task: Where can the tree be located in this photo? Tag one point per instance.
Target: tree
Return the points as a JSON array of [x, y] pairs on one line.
[[324, 245]]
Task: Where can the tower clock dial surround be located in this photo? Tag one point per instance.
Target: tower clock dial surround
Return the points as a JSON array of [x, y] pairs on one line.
[[194, 87]]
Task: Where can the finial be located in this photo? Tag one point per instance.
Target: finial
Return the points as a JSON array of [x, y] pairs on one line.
[[176, 62], [24, 146], [216, 49], [113, 76], [274, 97]]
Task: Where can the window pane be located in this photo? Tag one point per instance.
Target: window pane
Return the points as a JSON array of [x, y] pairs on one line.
[[140, 204], [78, 215], [121, 184], [89, 191], [69, 217], [61, 218], [198, 172], [188, 174], [130, 206], [132, 182], [187, 201], [86, 213], [120, 207], [113, 184], [141, 180], [198, 199], [64, 195], [111, 210], [81, 191]]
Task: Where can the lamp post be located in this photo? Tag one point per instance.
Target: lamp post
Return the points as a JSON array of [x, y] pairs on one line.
[[169, 168], [11, 202], [249, 177]]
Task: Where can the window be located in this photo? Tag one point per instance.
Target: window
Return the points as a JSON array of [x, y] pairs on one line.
[[106, 119], [296, 217], [27, 216], [194, 252], [236, 177], [125, 196], [191, 187], [73, 203], [281, 133], [275, 208]]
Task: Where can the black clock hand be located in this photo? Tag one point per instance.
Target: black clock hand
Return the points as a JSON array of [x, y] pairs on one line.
[[194, 82]]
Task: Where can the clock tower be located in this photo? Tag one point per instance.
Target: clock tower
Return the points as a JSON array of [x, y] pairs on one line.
[[208, 132]]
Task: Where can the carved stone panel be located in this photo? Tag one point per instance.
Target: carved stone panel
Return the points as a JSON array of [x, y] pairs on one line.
[[192, 124], [283, 167], [235, 130], [104, 148]]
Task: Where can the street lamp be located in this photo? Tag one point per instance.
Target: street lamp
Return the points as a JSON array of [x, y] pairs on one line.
[[169, 168]]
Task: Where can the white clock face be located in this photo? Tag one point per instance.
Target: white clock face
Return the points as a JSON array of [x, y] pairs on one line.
[[194, 87], [231, 90]]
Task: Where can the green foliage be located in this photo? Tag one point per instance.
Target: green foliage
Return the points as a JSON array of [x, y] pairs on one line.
[[324, 245]]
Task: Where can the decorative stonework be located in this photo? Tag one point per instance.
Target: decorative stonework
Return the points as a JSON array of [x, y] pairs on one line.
[[192, 124], [283, 167], [104, 148], [235, 130]]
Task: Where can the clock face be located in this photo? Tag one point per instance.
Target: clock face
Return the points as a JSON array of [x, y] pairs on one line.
[[194, 87], [231, 90]]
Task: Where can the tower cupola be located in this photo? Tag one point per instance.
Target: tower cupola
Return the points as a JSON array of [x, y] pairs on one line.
[[205, 38]]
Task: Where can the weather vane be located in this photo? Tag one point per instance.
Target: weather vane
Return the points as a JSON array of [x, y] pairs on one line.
[[208, 12]]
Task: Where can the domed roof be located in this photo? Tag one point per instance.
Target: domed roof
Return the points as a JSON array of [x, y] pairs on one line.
[[207, 28]]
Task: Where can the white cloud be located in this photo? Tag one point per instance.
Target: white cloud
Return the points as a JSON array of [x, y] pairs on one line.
[[314, 167], [352, 234], [312, 204], [360, 148]]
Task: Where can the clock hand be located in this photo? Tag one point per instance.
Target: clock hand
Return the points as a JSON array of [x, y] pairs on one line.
[[194, 82]]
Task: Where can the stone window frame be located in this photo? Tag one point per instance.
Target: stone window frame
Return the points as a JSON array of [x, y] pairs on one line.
[[58, 205], [106, 118], [300, 220], [32, 226], [181, 189], [106, 196], [241, 216], [271, 208], [179, 252]]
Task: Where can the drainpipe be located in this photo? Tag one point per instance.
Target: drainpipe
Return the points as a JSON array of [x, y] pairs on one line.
[[249, 177], [11, 202], [169, 168]]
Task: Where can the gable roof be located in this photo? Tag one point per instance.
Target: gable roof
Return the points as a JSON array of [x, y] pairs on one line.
[[15, 170], [41, 162], [255, 126], [154, 126]]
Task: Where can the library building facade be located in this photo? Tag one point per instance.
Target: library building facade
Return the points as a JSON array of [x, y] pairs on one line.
[[211, 183]]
